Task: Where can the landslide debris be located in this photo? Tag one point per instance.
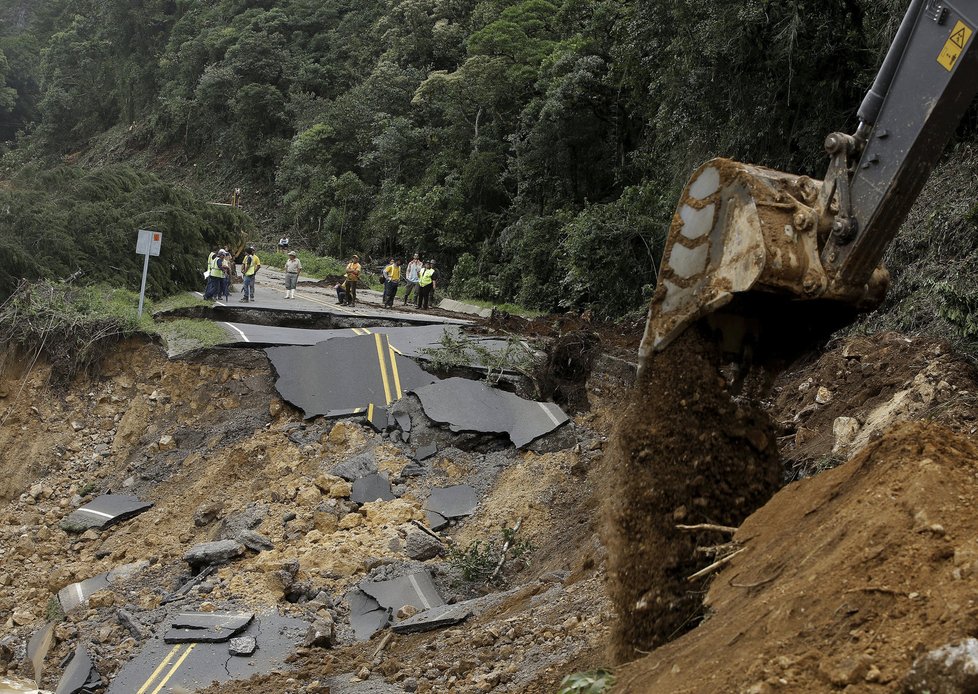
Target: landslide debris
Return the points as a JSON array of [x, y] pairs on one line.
[[685, 452], [845, 580]]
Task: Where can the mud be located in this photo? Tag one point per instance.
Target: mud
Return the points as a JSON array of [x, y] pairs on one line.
[[685, 452]]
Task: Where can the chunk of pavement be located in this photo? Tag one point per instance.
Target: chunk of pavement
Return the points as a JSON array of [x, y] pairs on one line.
[[412, 470], [37, 648], [436, 521], [356, 467], [254, 541], [218, 552], [76, 594], [377, 417], [206, 627], [321, 633], [371, 488], [950, 669], [467, 405], [80, 675], [131, 624], [435, 618], [103, 512], [422, 546], [243, 646], [425, 452], [366, 615], [340, 377], [452, 502], [415, 589], [403, 420]]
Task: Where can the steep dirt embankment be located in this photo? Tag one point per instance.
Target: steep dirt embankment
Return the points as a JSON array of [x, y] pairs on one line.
[[845, 579]]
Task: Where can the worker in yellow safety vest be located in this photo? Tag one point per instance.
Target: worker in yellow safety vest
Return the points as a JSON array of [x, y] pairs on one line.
[[249, 267], [215, 279], [426, 284], [392, 279]]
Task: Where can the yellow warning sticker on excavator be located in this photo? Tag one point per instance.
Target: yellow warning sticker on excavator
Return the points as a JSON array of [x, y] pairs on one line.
[[954, 46]]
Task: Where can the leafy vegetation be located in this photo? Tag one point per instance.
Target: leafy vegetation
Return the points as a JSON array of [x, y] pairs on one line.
[[535, 148], [482, 561], [74, 327], [593, 682], [461, 351], [68, 221], [313, 266]]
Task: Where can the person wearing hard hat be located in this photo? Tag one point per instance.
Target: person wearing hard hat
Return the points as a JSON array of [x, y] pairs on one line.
[[353, 270], [293, 266]]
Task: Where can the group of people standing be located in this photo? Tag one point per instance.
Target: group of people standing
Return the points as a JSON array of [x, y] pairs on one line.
[[221, 269], [417, 276]]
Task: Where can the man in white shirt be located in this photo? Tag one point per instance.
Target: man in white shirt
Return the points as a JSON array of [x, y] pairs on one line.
[[411, 276]]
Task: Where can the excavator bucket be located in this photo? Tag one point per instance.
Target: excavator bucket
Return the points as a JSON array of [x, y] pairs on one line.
[[744, 236]]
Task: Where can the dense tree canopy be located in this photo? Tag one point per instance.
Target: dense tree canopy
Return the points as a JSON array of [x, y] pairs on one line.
[[534, 147]]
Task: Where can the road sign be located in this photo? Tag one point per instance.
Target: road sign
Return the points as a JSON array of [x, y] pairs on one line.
[[148, 242]]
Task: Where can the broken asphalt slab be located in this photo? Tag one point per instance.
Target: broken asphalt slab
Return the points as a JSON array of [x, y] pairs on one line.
[[104, 511], [343, 377], [163, 667], [466, 405], [75, 594], [371, 488], [366, 615], [435, 618], [206, 627], [452, 502], [80, 677], [415, 589]]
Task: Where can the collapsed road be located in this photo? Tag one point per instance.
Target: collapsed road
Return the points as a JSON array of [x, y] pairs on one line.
[[392, 470]]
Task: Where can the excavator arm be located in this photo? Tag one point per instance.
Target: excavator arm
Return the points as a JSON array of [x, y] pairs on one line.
[[772, 260]]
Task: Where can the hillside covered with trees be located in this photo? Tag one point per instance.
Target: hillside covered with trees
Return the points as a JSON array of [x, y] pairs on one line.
[[534, 147]]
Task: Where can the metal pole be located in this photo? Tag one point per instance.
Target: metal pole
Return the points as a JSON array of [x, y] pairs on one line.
[[142, 288]]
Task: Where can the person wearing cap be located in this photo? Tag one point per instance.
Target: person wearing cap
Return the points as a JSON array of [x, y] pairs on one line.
[[352, 277], [426, 284], [392, 278], [411, 276], [293, 266], [249, 267]]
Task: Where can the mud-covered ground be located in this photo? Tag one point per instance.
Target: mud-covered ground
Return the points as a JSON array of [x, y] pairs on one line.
[[842, 579]]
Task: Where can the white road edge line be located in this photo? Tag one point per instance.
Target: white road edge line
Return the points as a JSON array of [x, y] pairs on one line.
[[417, 588], [237, 330], [543, 406], [95, 513]]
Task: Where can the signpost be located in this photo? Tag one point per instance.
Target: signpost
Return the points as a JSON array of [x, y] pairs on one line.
[[147, 243]]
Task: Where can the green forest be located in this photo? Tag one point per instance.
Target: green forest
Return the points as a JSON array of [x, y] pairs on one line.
[[535, 148]]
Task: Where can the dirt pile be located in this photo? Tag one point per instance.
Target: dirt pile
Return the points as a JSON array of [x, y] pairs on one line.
[[684, 453], [836, 402], [846, 578]]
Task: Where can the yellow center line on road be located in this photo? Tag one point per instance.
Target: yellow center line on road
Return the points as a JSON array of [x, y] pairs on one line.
[[397, 377], [166, 661], [176, 666], [383, 368]]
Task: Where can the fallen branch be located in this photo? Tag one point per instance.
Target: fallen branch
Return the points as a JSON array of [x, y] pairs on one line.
[[383, 643], [715, 565], [420, 526], [716, 550], [502, 555], [708, 526]]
